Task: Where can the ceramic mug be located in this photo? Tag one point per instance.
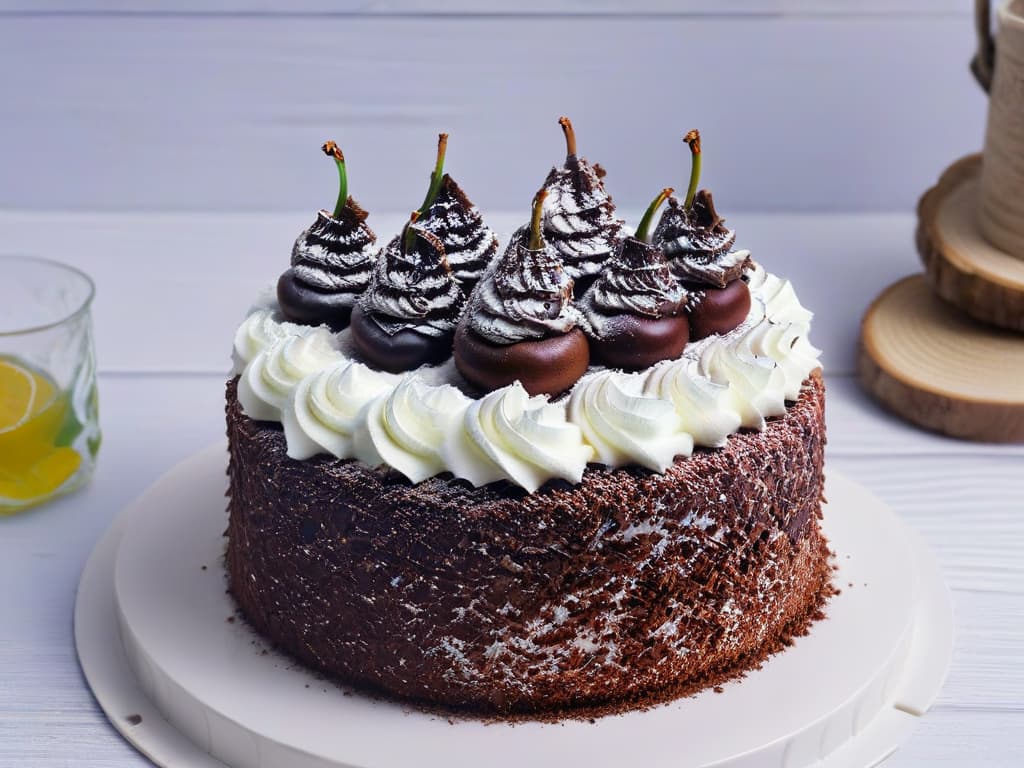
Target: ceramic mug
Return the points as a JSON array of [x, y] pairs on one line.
[[999, 68]]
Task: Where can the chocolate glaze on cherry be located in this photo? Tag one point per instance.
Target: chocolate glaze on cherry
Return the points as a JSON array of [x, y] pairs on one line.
[[302, 304], [640, 342], [399, 352], [547, 366], [720, 310]]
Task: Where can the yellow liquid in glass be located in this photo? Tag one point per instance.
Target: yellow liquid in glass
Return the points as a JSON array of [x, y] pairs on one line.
[[35, 458]]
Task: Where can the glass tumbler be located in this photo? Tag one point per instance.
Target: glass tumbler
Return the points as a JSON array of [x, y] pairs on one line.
[[49, 425]]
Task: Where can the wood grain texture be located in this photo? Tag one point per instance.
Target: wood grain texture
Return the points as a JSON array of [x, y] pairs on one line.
[[227, 112], [934, 366], [961, 265]]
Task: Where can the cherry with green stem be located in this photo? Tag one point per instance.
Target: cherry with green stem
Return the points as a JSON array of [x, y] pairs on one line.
[[570, 136], [408, 233], [333, 150], [693, 139], [643, 231], [536, 236], [436, 176]]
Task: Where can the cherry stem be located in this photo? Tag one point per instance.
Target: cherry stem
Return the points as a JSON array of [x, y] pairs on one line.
[[332, 150], [409, 234], [570, 136], [693, 139], [436, 176], [536, 238], [643, 231]]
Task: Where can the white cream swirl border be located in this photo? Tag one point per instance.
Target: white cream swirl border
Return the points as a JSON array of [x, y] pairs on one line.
[[421, 425]]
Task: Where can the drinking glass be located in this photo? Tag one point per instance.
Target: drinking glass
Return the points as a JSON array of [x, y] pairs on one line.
[[49, 425]]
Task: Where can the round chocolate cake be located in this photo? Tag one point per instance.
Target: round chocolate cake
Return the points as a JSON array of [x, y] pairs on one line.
[[497, 493]]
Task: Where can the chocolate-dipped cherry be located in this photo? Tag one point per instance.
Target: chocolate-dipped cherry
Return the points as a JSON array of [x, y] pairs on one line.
[[331, 261], [520, 323], [694, 237], [635, 309], [407, 315], [579, 217], [698, 246], [448, 214], [719, 310]]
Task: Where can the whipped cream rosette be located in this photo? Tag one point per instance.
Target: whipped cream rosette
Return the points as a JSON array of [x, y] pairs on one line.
[[269, 378], [625, 425], [509, 435]]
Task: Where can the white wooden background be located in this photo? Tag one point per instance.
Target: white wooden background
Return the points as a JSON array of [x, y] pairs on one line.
[[829, 105], [170, 149]]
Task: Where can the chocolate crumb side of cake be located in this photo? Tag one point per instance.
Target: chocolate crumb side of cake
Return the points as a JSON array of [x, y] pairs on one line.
[[629, 588]]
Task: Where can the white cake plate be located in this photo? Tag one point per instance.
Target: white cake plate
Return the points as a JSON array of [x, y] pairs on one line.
[[188, 687]]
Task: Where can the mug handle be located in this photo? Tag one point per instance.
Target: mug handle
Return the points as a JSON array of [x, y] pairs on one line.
[[984, 59]]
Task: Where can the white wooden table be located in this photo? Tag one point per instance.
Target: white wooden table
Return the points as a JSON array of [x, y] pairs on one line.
[[171, 289]]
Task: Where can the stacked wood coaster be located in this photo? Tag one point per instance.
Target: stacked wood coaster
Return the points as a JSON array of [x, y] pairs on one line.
[[945, 350]]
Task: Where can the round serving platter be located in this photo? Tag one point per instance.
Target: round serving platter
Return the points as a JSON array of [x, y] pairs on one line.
[[189, 685]]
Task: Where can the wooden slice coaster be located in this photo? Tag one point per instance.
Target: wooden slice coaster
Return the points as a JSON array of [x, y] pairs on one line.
[[963, 267], [932, 365]]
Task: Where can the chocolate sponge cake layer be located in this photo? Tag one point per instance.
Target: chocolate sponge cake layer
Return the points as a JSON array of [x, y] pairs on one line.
[[626, 589]]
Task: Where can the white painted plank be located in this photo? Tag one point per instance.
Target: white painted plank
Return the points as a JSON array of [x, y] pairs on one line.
[[489, 7], [859, 428], [961, 8], [220, 112], [396, 7], [172, 288]]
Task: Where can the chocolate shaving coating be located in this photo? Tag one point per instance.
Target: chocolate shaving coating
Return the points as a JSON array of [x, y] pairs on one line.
[[526, 294], [335, 254], [413, 290], [627, 589], [579, 217], [698, 244], [469, 244], [637, 281]]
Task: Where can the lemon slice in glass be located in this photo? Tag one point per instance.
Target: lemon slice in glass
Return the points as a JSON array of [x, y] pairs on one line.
[[32, 410]]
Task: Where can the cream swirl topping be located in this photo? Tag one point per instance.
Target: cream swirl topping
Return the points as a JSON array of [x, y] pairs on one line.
[[323, 412], [268, 380], [756, 384], [508, 435], [421, 425], [626, 426], [406, 428], [258, 331], [779, 299], [703, 406]]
